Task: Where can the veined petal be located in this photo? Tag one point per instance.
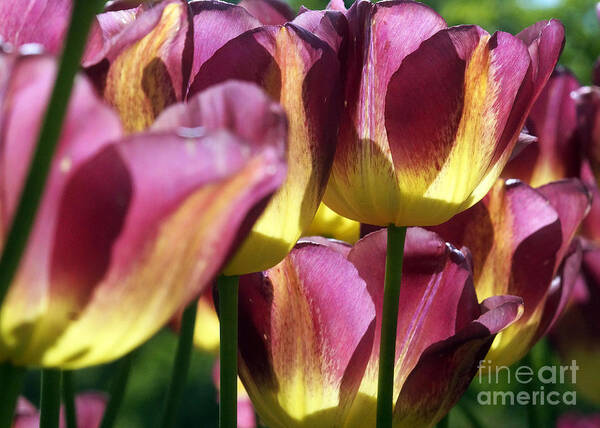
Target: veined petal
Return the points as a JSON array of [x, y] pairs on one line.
[[269, 12], [458, 143], [150, 73], [515, 238], [572, 201], [330, 26], [553, 119], [302, 73], [35, 21], [437, 299], [215, 23], [363, 160], [445, 369], [303, 343]]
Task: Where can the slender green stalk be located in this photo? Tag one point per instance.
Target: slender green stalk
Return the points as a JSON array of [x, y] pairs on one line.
[[68, 390], [181, 366], [228, 318], [117, 390], [50, 401], [389, 321], [444, 423], [16, 240], [11, 382]]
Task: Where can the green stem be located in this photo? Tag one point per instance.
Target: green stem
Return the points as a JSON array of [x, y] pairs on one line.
[[68, 390], [389, 322], [50, 401], [117, 390], [16, 240], [444, 423], [11, 382], [228, 318], [181, 366]]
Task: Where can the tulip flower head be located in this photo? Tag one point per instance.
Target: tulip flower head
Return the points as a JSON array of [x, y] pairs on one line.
[[431, 113], [143, 221], [308, 362], [521, 244]]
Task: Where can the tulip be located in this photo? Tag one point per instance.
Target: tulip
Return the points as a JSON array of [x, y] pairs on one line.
[[308, 357], [89, 410], [577, 334], [301, 71], [520, 240], [553, 120], [329, 224], [144, 221], [432, 114]]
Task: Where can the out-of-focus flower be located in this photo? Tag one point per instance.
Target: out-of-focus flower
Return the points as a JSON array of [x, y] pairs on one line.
[[302, 72], [588, 111], [89, 408], [577, 335], [143, 222], [330, 224], [307, 354], [35, 21], [572, 420], [553, 120], [520, 240], [432, 114]]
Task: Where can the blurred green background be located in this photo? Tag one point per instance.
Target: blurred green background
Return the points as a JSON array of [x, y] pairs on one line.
[[151, 372]]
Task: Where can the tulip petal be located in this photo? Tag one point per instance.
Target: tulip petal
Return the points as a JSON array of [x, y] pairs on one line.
[[363, 159], [303, 343], [459, 124], [553, 119], [269, 12], [215, 23], [561, 289], [332, 225], [302, 72], [445, 369], [239, 107], [330, 26], [572, 201], [25, 103], [437, 299], [152, 72], [156, 265], [514, 236], [35, 21]]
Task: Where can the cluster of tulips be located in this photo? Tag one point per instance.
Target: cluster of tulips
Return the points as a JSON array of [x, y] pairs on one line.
[[231, 156]]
